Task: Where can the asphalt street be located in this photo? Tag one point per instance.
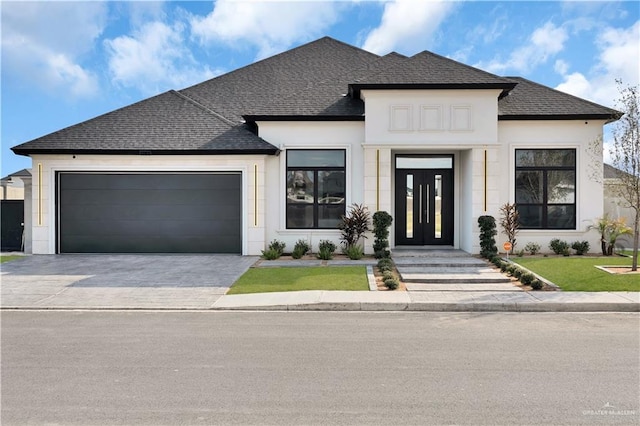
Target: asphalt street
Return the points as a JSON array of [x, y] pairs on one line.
[[99, 368]]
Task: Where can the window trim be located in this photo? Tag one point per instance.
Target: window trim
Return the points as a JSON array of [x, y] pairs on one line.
[[315, 170], [545, 205]]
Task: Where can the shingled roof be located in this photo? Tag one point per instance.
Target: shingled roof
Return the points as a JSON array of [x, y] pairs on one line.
[[533, 101], [169, 123], [320, 80]]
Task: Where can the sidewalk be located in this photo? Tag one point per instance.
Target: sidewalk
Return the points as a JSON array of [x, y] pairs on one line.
[[453, 301]]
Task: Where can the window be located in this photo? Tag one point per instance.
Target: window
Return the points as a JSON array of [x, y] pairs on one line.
[[546, 188], [315, 188]]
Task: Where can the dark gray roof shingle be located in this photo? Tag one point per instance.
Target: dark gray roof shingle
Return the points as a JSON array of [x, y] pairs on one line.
[[318, 80], [533, 101], [165, 123]]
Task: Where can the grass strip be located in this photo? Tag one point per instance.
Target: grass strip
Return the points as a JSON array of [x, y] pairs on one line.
[[264, 280], [580, 273]]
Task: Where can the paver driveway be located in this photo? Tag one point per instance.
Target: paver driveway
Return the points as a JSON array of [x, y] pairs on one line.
[[119, 281]]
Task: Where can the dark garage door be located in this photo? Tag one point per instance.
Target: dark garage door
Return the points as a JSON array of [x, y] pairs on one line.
[[149, 213]]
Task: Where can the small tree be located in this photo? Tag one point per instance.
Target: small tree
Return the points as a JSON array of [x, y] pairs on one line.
[[625, 156], [509, 221], [381, 222], [353, 225]]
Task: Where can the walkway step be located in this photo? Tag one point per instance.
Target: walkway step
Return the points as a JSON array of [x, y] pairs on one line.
[[451, 262], [462, 287]]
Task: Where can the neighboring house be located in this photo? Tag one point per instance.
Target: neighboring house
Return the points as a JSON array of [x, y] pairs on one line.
[[281, 148], [13, 229], [615, 206]]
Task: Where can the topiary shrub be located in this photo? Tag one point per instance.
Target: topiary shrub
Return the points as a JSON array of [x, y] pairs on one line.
[[326, 249], [559, 246], [504, 266], [387, 275], [385, 265], [581, 247], [301, 248], [488, 232], [392, 283], [536, 284], [527, 278], [381, 223]]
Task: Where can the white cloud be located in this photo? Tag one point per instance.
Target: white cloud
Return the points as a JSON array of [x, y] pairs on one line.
[[42, 44], [154, 59], [544, 42], [619, 58], [407, 24], [268, 25]]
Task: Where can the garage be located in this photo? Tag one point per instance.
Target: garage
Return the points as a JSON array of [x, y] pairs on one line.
[[149, 212]]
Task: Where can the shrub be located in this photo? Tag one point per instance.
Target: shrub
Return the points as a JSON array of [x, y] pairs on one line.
[[559, 246], [385, 261], [353, 225], [274, 250], [392, 283], [536, 284], [504, 266], [354, 252], [279, 246], [488, 232], [520, 253], [532, 248], [581, 247], [527, 278], [387, 275], [517, 272], [300, 249], [511, 269], [381, 222], [385, 267], [326, 249], [271, 254]]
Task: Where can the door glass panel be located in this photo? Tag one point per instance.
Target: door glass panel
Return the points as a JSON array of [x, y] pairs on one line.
[[438, 206], [424, 162], [409, 203]]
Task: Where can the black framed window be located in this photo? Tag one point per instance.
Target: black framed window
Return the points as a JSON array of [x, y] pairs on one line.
[[315, 188], [546, 188]]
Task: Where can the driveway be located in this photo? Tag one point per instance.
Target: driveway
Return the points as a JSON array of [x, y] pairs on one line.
[[119, 281]]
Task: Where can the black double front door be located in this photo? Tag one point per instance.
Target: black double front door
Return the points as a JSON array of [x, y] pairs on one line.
[[424, 206]]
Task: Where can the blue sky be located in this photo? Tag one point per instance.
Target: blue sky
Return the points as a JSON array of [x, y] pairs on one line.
[[66, 62]]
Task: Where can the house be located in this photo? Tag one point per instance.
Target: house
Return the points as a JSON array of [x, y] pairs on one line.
[[615, 207], [13, 229], [281, 148]]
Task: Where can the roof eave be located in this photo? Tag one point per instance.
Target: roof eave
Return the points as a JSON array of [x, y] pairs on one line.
[[540, 117], [145, 152], [255, 118]]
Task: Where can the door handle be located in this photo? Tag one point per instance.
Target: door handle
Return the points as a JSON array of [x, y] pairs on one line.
[[420, 210], [426, 212]]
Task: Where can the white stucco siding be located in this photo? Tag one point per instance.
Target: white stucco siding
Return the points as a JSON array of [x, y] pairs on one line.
[[577, 134], [43, 189], [431, 117], [346, 135]]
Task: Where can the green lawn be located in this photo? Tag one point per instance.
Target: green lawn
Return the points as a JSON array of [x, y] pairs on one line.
[[264, 280], [8, 257], [578, 273]]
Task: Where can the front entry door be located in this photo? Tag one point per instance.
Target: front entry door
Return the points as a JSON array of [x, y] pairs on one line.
[[424, 207]]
